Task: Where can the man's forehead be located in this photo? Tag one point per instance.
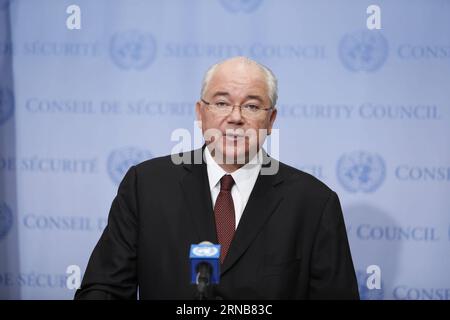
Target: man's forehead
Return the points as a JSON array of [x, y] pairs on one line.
[[239, 70], [225, 79], [226, 94], [231, 92]]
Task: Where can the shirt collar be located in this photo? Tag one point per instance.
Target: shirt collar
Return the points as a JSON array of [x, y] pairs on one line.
[[244, 177]]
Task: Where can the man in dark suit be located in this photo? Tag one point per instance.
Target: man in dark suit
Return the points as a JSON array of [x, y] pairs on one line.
[[281, 230]]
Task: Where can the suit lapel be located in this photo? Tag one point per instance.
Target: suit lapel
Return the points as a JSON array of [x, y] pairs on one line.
[[262, 203], [195, 187]]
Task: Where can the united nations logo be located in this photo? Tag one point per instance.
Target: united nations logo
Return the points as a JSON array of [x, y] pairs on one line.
[[361, 171], [6, 105], [205, 251], [364, 292], [6, 220], [363, 51], [235, 6], [120, 160], [132, 49]]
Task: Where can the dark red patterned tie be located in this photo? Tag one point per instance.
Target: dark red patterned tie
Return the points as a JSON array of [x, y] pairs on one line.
[[224, 212]]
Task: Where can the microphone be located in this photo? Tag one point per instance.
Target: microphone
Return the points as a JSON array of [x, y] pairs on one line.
[[205, 267]]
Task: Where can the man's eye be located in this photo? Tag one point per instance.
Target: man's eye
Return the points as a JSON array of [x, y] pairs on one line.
[[252, 107], [222, 104]]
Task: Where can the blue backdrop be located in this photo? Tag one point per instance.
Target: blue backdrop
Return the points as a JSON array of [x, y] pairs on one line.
[[367, 112]]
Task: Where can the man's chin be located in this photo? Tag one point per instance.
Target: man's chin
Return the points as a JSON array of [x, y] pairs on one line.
[[231, 155]]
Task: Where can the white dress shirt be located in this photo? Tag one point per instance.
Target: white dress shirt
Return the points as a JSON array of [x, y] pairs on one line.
[[244, 178]]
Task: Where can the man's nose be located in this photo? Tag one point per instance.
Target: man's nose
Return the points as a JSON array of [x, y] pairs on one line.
[[235, 114]]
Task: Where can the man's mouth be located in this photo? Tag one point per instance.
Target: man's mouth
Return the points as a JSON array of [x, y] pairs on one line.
[[234, 136]]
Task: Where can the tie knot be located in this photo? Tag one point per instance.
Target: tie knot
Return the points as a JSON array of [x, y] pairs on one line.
[[226, 183]]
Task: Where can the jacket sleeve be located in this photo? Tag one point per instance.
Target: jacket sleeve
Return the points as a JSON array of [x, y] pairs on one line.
[[332, 271], [111, 271]]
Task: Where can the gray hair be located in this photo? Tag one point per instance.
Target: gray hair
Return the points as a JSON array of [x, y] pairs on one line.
[[271, 80]]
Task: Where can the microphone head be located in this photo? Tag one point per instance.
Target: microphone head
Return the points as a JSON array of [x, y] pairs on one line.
[[205, 252], [206, 243]]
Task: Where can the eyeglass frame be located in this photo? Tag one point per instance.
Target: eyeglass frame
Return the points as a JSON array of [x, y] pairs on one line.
[[234, 105]]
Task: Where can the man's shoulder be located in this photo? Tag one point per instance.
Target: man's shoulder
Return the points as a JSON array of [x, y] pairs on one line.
[[172, 164], [297, 178], [166, 162]]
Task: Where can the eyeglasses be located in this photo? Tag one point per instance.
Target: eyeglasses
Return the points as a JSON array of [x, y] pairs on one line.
[[248, 110]]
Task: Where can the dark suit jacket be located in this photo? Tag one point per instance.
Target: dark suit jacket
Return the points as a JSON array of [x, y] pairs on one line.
[[290, 243]]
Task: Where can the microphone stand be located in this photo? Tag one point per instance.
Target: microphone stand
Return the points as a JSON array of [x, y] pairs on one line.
[[203, 281]]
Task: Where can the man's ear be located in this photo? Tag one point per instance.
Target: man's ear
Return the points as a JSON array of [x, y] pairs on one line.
[[272, 118], [198, 114]]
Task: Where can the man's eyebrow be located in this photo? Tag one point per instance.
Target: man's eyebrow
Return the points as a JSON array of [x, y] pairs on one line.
[[224, 93], [221, 93], [256, 97]]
